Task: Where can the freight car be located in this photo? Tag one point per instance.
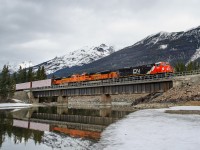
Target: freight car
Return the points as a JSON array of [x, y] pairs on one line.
[[151, 69], [157, 68], [33, 84]]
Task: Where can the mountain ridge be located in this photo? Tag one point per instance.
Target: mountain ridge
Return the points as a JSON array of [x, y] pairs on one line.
[[163, 46], [78, 57]]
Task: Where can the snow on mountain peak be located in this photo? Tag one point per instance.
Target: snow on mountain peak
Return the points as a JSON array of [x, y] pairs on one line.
[[78, 57], [153, 39], [15, 67], [161, 36]]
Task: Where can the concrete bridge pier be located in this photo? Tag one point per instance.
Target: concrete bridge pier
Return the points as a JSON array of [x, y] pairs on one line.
[[105, 111], [62, 100], [105, 99], [62, 110], [31, 97], [34, 99], [31, 111]]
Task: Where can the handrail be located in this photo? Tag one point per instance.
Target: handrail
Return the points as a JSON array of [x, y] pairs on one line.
[[124, 80], [113, 81]]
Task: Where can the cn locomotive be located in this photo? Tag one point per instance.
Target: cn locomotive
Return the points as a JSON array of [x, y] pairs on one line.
[[151, 69]]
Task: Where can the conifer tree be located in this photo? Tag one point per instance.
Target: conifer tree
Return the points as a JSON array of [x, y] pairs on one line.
[[38, 74], [11, 87], [43, 73], [180, 67], [191, 66], [7, 84], [14, 76], [30, 75], [24, 75], [3, 82], [20, 75]]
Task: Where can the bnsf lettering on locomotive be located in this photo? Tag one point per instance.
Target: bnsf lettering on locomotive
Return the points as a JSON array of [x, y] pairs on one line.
[[136, 71]]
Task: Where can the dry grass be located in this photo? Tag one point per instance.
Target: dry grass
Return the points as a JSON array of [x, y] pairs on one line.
[[192, 103], [184, 112]]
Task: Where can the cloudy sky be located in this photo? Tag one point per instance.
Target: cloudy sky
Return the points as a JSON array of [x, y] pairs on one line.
[[39, 30]]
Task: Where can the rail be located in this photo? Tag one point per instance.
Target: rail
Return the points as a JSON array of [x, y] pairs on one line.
[[124, 80], [110, 82], [186, 73]]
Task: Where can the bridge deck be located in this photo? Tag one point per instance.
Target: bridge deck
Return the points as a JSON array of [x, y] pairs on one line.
[[143, 84]]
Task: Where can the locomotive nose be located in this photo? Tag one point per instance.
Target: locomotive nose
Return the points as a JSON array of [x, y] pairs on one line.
[[170, 69]]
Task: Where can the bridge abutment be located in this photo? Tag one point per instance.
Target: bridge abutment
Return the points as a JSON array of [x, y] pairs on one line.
[[105, 111], [31, 97], [35, 99], [105, 99], [62, 100], [62, 110]]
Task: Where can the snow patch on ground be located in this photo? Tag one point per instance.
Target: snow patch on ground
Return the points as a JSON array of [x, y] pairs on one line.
[[195, 56], [185, 108], [17, 101], [153, 130], [13, 105]]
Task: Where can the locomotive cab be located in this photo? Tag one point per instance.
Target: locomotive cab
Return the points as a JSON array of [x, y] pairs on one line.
[[162, 67]]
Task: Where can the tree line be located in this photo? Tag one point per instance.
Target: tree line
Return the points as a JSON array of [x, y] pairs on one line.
[[8, 80], [28, 75], [181, 67]]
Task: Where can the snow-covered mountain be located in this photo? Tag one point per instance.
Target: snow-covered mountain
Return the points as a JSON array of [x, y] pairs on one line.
[[175, 41], [78, 57], [14, 67], [172, 47]]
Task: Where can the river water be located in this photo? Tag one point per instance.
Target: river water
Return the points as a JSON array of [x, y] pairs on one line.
[[97, 128], [55, 127]]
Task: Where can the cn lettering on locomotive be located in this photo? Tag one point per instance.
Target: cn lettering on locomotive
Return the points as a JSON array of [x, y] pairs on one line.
[[136, 71]]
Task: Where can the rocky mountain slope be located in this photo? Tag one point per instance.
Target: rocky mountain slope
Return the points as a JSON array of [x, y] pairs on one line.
[[76, 58], [172, 47]]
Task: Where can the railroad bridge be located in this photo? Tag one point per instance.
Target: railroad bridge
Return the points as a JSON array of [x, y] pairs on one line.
[[104, 88]]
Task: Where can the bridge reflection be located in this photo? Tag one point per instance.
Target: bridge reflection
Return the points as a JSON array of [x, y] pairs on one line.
[[74, 122]]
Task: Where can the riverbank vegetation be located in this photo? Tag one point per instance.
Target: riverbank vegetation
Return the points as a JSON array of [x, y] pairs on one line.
[[7, 84], [28, 75], [181, 67], [8, 80]]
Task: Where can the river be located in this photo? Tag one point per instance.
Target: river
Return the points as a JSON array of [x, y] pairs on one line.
[[55, 127], [97, 128]]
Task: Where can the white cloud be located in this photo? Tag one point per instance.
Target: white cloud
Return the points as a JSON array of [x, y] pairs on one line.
[[30, 30]]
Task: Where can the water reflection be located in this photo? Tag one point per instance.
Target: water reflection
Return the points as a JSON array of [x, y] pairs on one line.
[[31, 124], [18, 134]]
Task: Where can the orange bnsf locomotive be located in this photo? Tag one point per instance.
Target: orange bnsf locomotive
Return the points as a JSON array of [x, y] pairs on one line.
[[150, 69]]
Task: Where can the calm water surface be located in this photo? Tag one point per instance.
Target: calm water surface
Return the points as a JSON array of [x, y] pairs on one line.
[[55, 127]]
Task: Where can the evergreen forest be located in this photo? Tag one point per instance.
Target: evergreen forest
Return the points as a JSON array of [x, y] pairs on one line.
[[8, 80]]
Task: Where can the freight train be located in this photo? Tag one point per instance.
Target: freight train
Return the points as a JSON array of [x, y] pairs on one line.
[[157, 68], [150, 69]]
